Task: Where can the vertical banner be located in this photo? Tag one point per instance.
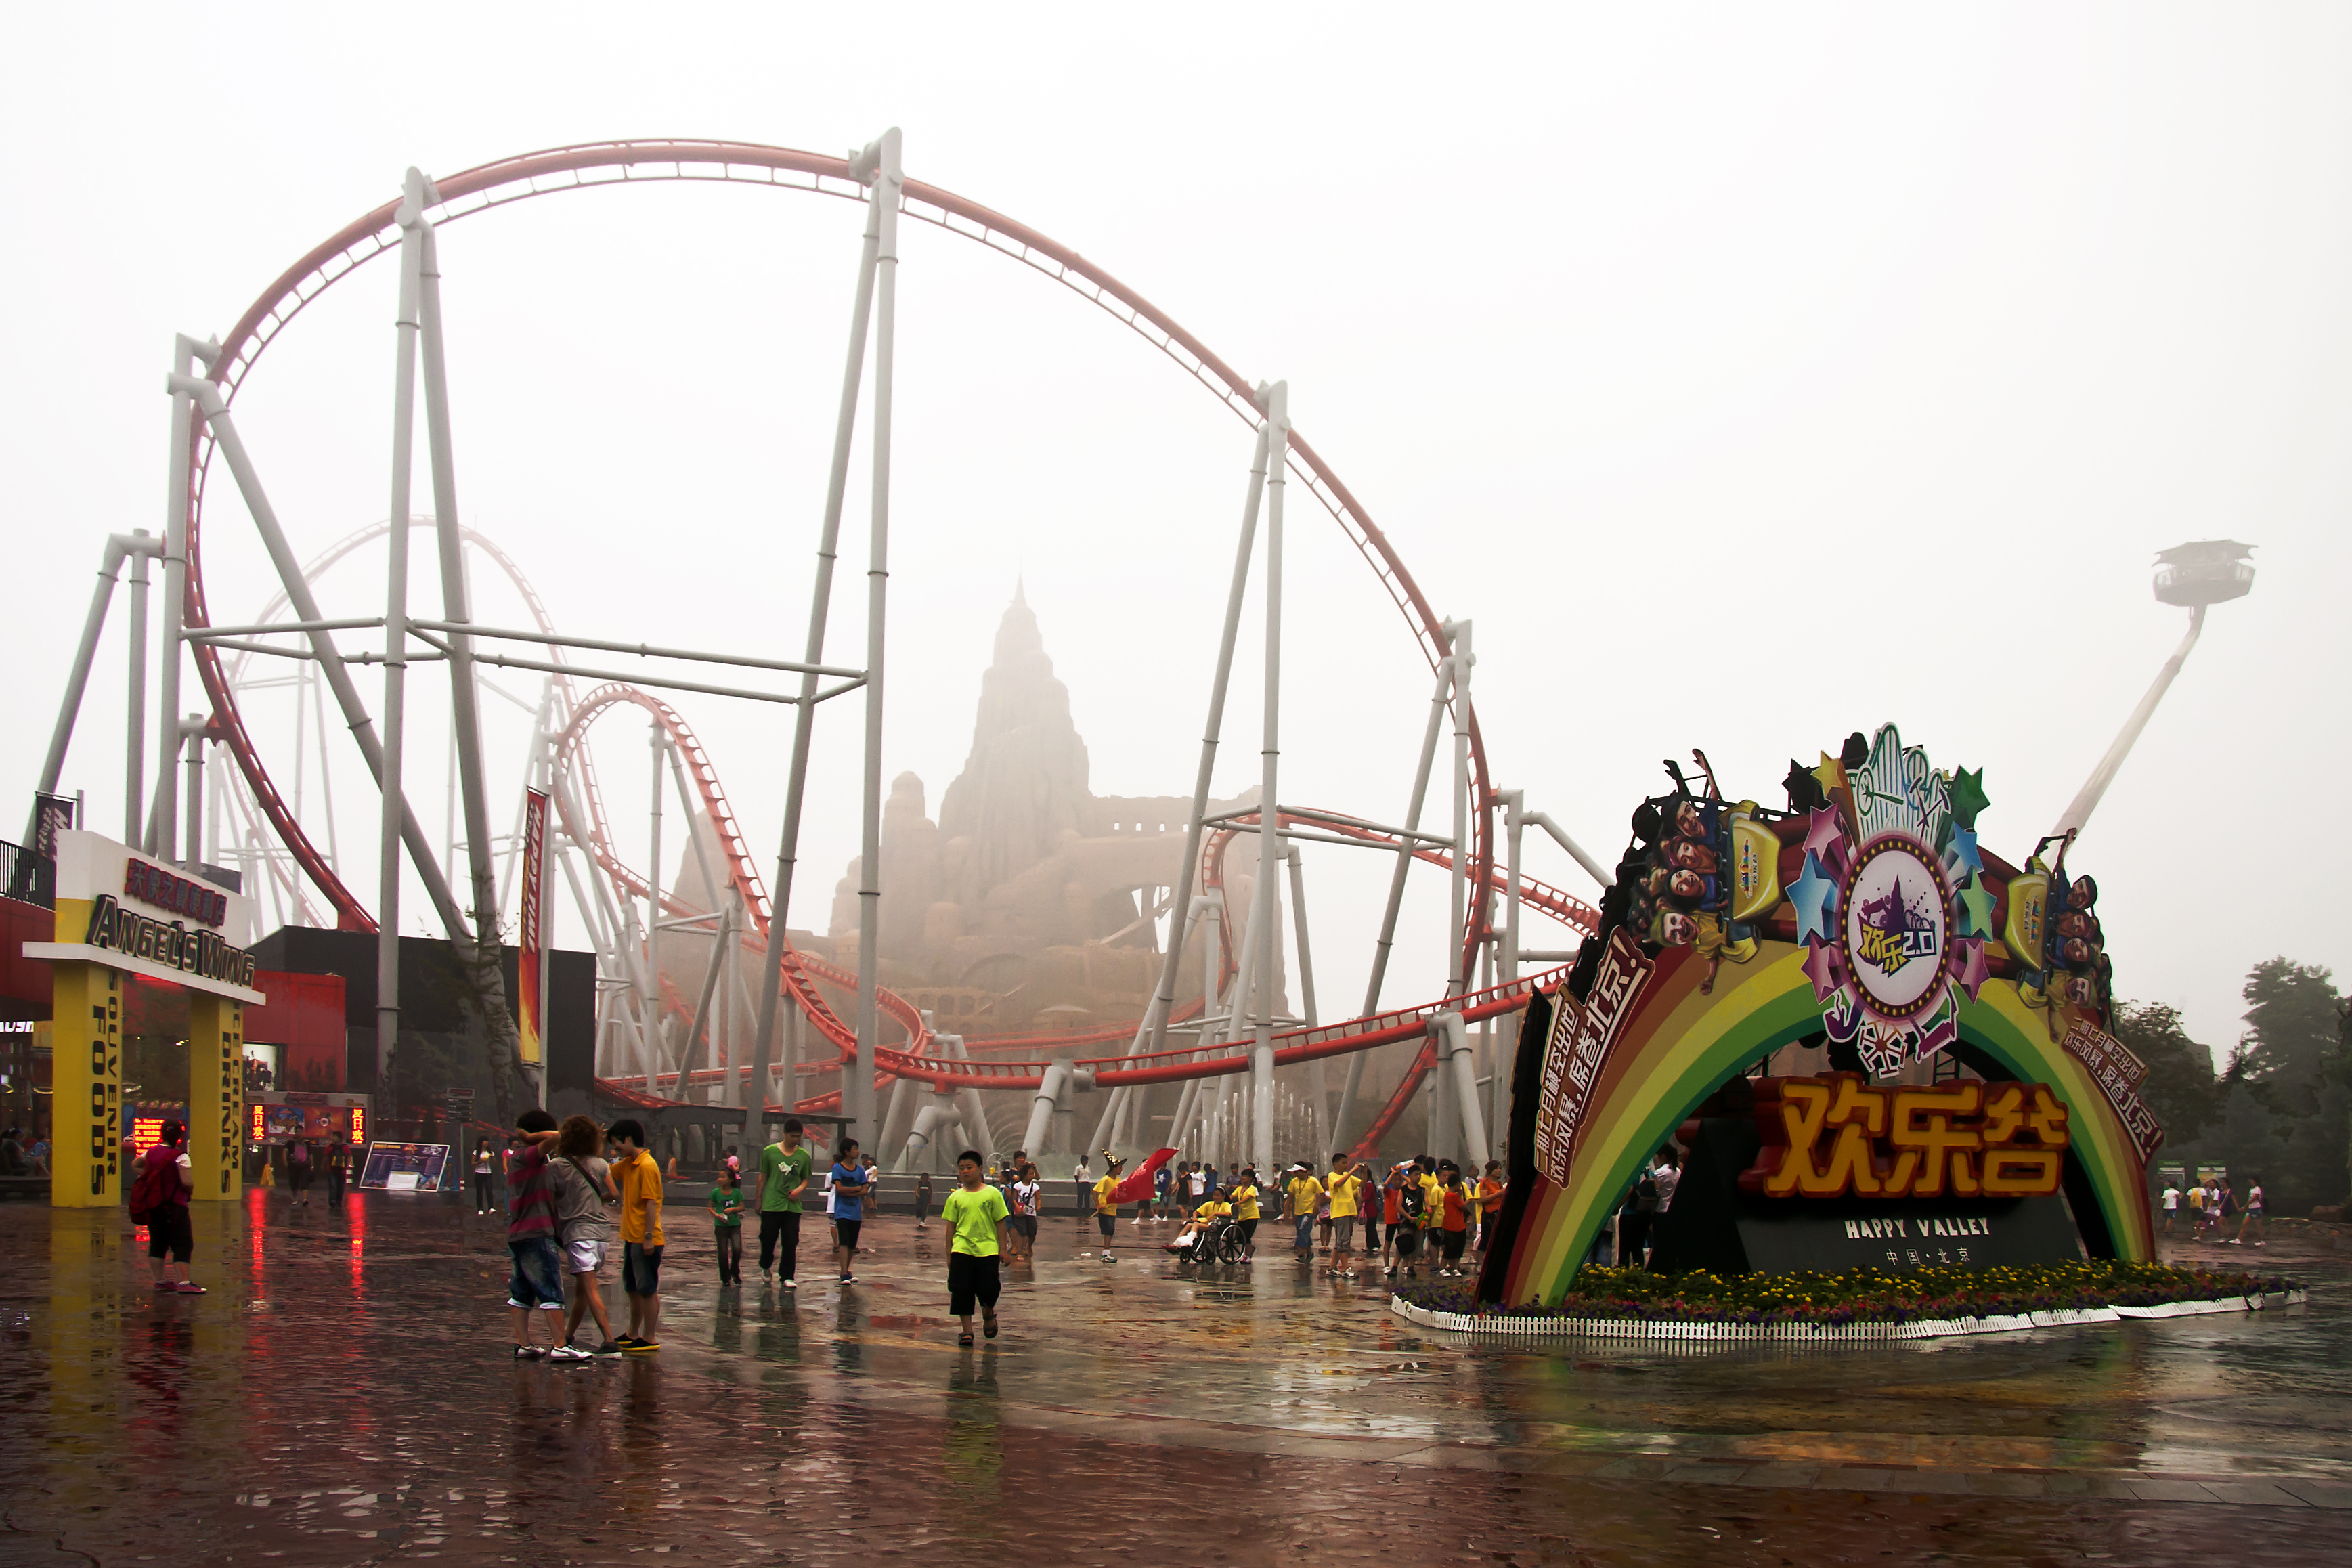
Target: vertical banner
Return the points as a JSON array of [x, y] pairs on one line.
[[531, 994], [86, 1145]]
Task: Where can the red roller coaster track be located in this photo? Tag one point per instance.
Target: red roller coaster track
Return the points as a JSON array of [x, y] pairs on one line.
[[593, 165]]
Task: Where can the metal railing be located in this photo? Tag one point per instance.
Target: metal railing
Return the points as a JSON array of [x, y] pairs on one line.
[[28, 877]]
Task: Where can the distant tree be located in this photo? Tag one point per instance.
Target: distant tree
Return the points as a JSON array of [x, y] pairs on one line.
[[2179, 1087], [2292, 1058]]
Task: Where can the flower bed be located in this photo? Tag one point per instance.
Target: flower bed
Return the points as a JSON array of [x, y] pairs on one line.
[[1864, 1296]]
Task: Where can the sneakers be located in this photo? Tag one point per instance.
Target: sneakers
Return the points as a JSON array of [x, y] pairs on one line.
[[607, 1351], [527, 1352], [792, 1284], [1391, 1272], [846, 1279], [639, 1347], [165, 1285], [628, 1342], [189, 1287], [567, 1353], [1108, 1259]]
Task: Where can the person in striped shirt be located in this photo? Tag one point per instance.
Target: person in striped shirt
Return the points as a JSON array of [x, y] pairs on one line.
[[537, 1282]]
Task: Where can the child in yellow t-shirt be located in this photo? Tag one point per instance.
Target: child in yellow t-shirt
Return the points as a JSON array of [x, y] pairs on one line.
[[1343, 1185], [1300, 1194], [1106, 1203], [1244, 1205]]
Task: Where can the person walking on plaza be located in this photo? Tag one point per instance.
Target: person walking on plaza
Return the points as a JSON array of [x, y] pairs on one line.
[[159, 1200], [297, 1173], [1163, 1184], [784, 1167], [975, 1215], [2171, 1201], [923, 1201], [1083, 1179], [1452, 1228], [1105, 1194], [1022, 1230], [485, 1167], [583, 1229], [1342, 1186], [727, 1224], [536, 1285], [2253, 1220], [339, 1166], [1300, 1194], [1244, 1198], [850, 1185], [641, 1236], [1492, 1188]]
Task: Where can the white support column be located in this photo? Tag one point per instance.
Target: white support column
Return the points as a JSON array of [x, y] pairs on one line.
[[652, 1016], [1276, 399], [186, 354], [857, 1089], [134, 741], [392, 814]]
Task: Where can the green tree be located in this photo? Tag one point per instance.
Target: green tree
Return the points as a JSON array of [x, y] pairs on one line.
[[2292, 1058], [2179, 1086]]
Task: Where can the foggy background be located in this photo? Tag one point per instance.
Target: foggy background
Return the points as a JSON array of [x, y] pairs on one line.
[[1748, 377]]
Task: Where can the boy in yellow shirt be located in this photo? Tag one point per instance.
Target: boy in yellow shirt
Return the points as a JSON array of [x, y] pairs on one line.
[[1299, 1196], [1106, 1203], [1242, 1198], [641, 1234], [1343, 1185]]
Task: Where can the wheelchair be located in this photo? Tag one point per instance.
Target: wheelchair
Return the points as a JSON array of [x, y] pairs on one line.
[[1221, 1243]]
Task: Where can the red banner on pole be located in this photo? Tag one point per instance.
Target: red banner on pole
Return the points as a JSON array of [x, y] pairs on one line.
[[529, 957], [1137, 1184]]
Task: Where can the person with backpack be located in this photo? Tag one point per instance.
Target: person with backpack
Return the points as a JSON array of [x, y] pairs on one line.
[[1410, 1218], [338, 1164], [159, 1200], [1633, 1218], [297, 1173], [583, 1229]]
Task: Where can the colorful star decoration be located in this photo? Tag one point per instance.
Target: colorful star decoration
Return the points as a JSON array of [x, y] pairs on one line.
[[1968, 796], [1815, 898], [1825, 838], [1961, 861], [1831, 775], [1976, 908], [1970, 971], [1823, 968]]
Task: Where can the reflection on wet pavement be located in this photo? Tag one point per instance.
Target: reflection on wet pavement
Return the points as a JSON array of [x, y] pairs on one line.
[[345, 1395]]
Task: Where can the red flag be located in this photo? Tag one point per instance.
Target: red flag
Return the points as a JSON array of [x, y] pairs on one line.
[[1136, 1187]]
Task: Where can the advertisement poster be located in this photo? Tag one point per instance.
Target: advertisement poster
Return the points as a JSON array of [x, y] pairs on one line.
[[408, 1168], [527, 958]]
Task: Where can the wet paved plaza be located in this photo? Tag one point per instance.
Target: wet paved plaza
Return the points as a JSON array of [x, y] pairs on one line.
[[345, 1395]]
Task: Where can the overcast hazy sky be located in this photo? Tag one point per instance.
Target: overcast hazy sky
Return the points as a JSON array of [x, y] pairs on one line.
[[1749, 375]]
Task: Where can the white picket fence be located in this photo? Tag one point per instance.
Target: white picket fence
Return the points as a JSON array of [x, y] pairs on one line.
[[1667, 1330]]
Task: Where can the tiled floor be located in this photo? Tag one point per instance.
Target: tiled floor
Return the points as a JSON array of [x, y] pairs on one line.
[[345, 1395]]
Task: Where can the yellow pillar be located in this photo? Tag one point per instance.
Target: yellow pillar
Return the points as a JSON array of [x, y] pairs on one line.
[[86, 1075], [215, 1097]]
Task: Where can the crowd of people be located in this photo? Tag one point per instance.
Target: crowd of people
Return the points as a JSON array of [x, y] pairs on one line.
[[2211, 1204], [1416, 1213]]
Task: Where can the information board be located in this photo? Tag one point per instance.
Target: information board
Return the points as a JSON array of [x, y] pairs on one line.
[[408, 1168]]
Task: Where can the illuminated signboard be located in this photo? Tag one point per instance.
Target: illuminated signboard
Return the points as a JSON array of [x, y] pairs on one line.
[[408, 1168], [254, 1131], [146, 1132], [358, 1124]]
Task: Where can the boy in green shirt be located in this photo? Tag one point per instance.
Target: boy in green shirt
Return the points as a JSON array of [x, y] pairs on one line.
[[784, 1168], [975, 1213], [727, 1226]]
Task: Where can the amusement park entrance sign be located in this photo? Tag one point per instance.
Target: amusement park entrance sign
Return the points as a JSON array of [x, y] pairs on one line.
[[135, 917], [1977, 1098]]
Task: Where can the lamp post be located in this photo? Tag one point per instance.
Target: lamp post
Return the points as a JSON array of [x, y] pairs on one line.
[[2204, 572]]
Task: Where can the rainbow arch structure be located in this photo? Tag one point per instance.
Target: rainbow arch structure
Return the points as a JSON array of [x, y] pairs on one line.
[[1680, 1045]]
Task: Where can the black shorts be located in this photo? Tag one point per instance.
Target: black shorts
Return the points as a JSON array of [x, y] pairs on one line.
[[1456, 1240], [168, 1231], [1408, 1238], [971, 1278], [640, 1269], [1026, 1224], [844, 1232], [1110, 1224]]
